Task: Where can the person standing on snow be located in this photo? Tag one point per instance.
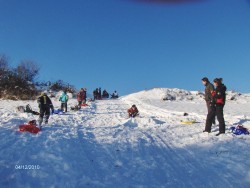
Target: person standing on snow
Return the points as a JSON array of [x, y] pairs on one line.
[[218, 103], [209, 88], [133, 111], [81, 96], [95, 94], [85, 95], [44, 104], [64, 100], [100, 93]]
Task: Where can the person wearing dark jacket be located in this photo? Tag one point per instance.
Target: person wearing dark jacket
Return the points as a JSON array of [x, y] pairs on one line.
[[95, 94], [85, 95], [217, 105], [44, 104], [209, 88], [105, 94], [100, 93]]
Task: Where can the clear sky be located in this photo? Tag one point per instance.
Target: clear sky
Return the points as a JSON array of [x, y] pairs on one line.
[[130, 45]]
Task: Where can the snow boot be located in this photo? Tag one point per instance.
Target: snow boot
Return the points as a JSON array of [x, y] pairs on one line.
[[219, 134]]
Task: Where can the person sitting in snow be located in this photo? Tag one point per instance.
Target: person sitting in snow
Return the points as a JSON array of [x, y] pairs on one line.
[[44, 104], [81, 97], [105, 94], [64, 100], [133, 111], [114, 95]]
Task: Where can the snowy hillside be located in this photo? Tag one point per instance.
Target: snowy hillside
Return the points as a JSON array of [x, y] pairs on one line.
[[99, 146]]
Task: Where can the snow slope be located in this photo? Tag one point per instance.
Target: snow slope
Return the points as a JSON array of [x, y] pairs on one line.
[[99, 146]]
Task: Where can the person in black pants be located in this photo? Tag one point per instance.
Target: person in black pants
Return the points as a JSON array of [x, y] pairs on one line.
[[45, 105], [217, 106], [209, 88]]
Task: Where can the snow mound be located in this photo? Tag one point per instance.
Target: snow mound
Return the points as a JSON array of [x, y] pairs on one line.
[[175, 94], [166, 94]]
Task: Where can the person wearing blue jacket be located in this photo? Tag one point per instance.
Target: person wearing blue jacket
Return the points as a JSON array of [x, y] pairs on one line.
[[64, 100]]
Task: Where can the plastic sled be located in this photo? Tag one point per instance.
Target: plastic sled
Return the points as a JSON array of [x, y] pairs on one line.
[[59, 111], [85, 105], [29, 128], [188, 122], [239, 130]]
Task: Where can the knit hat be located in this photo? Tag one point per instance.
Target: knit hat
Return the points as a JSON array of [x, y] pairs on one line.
[[205, 79], [217, 80]]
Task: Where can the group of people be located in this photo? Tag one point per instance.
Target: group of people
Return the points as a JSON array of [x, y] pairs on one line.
[[45, 104], [98, 94], [215, 97]]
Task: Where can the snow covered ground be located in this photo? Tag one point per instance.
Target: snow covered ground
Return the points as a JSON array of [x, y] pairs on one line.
[[99, 146]]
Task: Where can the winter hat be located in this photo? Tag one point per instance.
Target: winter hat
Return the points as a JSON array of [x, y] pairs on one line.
[[217, 80], [205, 79]]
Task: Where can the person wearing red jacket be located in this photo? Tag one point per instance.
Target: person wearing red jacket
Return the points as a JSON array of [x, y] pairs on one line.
[[81, 97], [133, 111], [217, 105]]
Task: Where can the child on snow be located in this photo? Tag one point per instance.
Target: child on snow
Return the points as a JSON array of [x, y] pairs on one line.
[[81, 97], [64, 100], [114, 95], [133, 111], [44, 104]]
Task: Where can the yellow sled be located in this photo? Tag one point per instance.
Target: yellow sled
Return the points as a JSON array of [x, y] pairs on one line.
[[188, 122]]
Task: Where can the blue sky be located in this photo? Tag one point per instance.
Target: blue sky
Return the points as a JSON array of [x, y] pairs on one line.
[[129, 45]]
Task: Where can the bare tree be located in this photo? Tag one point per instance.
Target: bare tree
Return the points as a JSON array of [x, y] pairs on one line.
[[27, 70], [17, 83], [3, 63], [3, 73]]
